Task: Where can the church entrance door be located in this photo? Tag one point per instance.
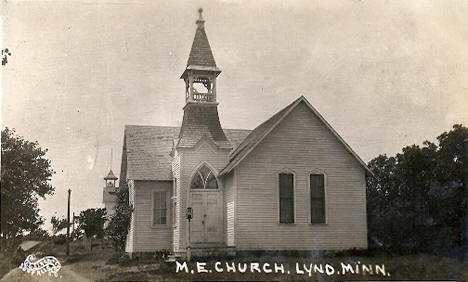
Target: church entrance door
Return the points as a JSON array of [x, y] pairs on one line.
[[207, 222]]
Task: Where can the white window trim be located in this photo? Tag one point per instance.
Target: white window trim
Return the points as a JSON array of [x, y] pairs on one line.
[[195, 173], [325, 188], [174, 188], [285, 170], [174, 202], [168, 209]]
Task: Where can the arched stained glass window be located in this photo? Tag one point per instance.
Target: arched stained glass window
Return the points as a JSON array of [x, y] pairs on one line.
[[204, 179]]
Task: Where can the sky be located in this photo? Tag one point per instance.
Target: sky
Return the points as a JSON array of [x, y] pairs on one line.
[[384, 74]]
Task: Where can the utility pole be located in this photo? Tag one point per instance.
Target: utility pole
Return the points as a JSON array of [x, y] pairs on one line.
[[68, 223], [73, 223]]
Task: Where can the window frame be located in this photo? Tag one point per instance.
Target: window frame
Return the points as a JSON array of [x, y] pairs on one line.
[[196, 173], [325, 198], [168, 209], [278, 199]]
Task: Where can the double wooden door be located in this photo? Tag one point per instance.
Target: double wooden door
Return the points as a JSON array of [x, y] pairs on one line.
[[207, 222]]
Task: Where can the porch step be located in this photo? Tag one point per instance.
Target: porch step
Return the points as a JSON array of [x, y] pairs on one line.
[[203, 251], [212, 251]]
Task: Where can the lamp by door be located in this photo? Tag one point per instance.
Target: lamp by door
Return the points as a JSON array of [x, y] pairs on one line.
[[189, 215]]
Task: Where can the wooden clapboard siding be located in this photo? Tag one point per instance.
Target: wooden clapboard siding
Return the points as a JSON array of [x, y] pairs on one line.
[[228, 204], [131, 233], [301, 143], [230, 208], [176, 161], [147, 237], [205, 151]]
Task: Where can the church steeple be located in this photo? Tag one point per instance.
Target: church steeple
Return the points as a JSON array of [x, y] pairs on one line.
[[201, 70], [201, 109]]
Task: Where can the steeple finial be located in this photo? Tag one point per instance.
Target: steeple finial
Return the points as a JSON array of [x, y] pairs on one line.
[[200, 22], [200, 11]]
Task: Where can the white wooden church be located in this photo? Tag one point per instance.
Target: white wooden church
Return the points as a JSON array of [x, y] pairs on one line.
[[292, 183]]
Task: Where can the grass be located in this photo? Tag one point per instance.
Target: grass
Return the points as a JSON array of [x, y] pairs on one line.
[[5, 265], [408, 267], [414, 267], [101, 265]]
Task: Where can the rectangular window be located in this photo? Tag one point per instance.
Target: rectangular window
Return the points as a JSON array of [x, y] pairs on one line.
[[317, 198], [159, 208], [286, 195]]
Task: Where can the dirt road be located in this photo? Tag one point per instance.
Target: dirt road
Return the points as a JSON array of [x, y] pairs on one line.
[[66, 273]]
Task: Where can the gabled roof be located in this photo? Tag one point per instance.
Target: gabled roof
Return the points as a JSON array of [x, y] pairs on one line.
[[261, 131], [147, 151], [146, 154]]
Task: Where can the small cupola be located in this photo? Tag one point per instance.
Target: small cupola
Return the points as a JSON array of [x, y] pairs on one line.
[[201, 70], [110, 179]]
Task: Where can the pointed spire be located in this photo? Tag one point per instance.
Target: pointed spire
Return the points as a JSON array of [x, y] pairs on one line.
[[200, 54]]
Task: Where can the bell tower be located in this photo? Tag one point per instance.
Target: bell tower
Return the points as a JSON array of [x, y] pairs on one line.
[[109, 193], [201, 71], [201, 141], [201, 107]]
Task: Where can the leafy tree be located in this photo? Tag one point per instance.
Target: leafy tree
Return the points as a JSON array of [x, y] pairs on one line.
[[119, 223], [415, 202], [91, 221], [58, 224], [25, 176], [77, 233]]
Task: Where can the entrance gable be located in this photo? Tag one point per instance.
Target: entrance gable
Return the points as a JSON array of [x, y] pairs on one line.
[[205, 143]]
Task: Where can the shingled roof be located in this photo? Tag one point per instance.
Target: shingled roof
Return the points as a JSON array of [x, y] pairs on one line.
[[110, 176], [147, 148], [201, 120], [200, 54], [261, 131]]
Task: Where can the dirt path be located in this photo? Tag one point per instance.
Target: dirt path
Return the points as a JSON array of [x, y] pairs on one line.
[[26, 245], [66, 273]]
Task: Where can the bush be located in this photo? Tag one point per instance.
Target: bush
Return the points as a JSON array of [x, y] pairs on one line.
[[37, 235], [60, 239], [161, 255], [125, 260], [114, 259], [119, 223]]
